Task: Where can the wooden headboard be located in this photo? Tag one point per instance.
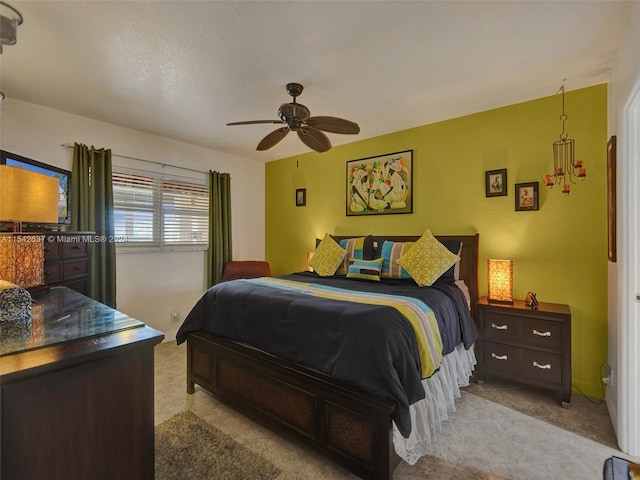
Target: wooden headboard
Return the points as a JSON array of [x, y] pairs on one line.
[[468, 257]]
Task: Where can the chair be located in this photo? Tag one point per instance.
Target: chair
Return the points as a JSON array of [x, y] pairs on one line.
[[235, 269]]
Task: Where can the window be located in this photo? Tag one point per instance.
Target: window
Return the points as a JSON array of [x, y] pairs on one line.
[[161, 211]]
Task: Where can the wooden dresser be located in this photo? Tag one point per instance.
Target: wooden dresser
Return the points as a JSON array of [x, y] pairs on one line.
[[66, 259], [77, 393], [526, 345]]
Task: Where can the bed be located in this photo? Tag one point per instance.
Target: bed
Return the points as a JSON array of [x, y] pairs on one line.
[[330, 405]]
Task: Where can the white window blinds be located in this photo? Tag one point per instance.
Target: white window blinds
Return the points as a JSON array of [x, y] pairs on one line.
[[156, 210]]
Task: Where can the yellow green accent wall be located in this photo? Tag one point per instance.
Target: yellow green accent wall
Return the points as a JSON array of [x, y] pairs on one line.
[[559, 251]]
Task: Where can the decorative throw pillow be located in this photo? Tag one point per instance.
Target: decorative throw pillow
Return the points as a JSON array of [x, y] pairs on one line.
[[365, 269], [391, 252], [15, 306], [327, 257], [427, 260], [359, 247], [453, 274]]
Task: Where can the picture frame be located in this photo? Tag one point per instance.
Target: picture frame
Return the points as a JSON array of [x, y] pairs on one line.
[[527, 197], [380, 185], [495, 183], [301, 197], [611, 199], [63, 176]]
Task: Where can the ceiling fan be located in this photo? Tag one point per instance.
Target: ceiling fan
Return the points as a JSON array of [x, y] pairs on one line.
[[297, 117]]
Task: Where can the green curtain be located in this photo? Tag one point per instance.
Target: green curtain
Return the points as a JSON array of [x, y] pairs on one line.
[[219, 251], [92, 211]]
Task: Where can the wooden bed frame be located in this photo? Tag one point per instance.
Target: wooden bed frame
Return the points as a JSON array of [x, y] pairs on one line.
[[346, 424]]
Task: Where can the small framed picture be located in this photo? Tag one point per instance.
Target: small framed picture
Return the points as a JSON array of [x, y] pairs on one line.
[[526, 196], [301, 197], [495, 183]]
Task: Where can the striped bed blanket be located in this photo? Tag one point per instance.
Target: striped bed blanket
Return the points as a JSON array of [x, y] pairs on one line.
[[383, 337]]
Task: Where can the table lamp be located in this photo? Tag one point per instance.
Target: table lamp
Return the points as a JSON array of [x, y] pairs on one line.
[[25, 196], [500, 280]]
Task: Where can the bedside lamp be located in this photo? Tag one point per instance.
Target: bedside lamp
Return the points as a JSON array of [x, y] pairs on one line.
[[25, 196], [309, 257], [500, 280]]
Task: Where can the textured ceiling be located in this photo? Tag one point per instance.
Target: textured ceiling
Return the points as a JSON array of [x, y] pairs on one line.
[[183, 69]]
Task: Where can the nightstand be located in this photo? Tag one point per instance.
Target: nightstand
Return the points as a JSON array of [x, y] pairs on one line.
[[531, 346]]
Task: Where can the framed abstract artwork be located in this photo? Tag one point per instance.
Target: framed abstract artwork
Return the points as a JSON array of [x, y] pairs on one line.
[[527, 196], [495, 183], [380, 185]]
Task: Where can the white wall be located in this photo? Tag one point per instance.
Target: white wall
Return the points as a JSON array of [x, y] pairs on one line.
[[149, 285], [623, 393]]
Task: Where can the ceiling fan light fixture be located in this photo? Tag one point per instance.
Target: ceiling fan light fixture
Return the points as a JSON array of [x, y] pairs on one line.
[[10, 18]]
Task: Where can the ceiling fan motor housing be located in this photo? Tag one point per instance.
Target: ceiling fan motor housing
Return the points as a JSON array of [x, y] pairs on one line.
[[289, 112]]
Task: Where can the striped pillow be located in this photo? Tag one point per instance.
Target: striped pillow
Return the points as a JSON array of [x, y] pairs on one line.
[[365, 269], [391, 252], [356, 248]]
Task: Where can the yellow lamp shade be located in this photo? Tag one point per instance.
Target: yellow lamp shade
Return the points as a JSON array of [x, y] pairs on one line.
[[500, 280], [27, 196]]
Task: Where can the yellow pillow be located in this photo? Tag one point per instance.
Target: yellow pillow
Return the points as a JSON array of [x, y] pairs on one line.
[[427, 260], [327, 257]]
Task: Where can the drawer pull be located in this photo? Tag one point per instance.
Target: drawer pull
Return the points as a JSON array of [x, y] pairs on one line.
[[501, 357], [541, 334], [499, 327], [543, 367]]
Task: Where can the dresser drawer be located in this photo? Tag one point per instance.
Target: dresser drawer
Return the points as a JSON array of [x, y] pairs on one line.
[[75, 268], [540, 333], [542, 367], [52, 250], [501, 328], [52, 273], [75, 248], [501, 358]]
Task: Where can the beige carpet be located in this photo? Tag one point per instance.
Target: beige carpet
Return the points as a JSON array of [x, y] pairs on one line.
[[188, 448]]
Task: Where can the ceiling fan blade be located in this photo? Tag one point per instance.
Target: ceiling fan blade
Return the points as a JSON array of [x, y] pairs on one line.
[[253, 122], [273, 138], [314, 139], [334, 125]]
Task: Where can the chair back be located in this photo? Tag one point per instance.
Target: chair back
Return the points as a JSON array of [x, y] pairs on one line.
[[236, 269]]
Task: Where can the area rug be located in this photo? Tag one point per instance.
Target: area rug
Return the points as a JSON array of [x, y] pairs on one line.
[[188, 448]]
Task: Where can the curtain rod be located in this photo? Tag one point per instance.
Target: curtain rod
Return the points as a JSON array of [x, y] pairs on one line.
[[69, 146]]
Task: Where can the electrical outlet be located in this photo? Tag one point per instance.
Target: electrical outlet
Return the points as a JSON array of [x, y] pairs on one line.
[[175, 315], [608, 371]]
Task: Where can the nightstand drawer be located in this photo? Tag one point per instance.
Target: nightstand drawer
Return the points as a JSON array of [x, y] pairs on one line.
[[501, 328], [545, 367], [501, 358], [545, 334]]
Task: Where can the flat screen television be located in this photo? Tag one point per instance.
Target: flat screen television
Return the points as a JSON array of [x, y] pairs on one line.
[[63, 176]]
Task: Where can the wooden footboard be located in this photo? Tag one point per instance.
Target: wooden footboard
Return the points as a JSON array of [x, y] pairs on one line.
[[346, 424]]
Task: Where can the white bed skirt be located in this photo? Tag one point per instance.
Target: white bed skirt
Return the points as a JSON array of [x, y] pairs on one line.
[[427, 415]]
